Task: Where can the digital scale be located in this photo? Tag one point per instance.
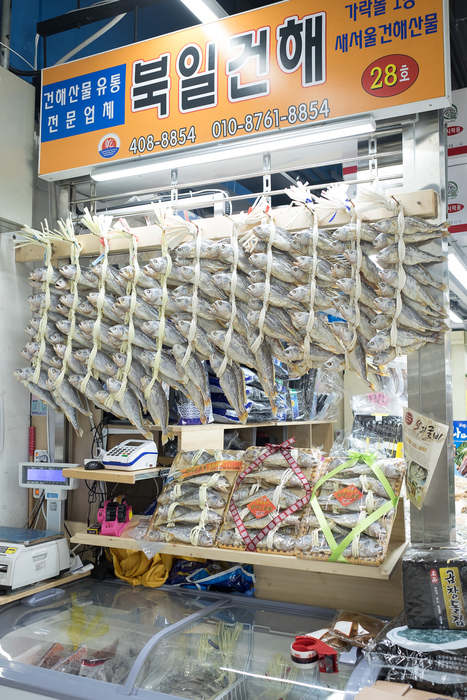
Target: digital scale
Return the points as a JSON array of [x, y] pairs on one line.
[[131, 455], [29, 556], [26, 555], [49, 478]]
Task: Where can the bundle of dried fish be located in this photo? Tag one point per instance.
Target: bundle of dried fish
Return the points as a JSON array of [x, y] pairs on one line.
[[269, 498], [191, 506], [233, 303], [351, 514]]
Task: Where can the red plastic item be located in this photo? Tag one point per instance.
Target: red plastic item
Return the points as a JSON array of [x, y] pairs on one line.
[[32, 442], [327, 656]]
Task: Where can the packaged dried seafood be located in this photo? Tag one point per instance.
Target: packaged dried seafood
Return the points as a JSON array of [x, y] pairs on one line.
[[352, 509], [269, 498], [191, 506]]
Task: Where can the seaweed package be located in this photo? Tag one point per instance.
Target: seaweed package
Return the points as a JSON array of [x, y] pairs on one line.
[[352, 509], [434, 583], [191, 506], [269, 498]]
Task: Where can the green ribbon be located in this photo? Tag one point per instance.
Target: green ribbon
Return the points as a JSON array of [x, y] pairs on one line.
[[338, 549]]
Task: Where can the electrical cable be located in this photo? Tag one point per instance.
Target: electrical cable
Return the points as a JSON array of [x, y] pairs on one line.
[[90, 39], [16, 53], [38, 505]]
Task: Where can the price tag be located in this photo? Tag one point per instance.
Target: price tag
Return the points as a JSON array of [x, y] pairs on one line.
[[261, 507], [348, 495]]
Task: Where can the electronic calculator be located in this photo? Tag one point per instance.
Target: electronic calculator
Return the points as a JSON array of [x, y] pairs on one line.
[[131, 455]]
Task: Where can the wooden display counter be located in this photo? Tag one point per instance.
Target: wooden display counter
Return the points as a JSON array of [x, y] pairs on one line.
[[371, 589]]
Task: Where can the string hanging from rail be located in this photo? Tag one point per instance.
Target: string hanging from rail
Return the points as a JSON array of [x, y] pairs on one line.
[[68, 233], [373, 197]]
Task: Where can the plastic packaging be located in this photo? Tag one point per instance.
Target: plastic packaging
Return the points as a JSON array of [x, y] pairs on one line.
[[214, 576], [356, 628], [377, 419], [192, 504], [352, 510], [430, 660], [269, 499], [329, 390], [434, 581]]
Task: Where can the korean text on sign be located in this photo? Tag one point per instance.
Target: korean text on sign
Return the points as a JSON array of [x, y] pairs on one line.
[[84, 104]]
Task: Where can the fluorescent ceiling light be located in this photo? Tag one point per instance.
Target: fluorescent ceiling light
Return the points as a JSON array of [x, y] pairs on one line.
[[454, 317], [457, 269], [284, 141], [205, 10]]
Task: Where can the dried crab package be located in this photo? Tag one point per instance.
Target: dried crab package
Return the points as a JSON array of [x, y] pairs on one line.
[[269, 498], [191, 506], [352, 509]]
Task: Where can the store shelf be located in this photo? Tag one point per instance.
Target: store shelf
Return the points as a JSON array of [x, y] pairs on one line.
[[422, 203], [178, 429], [278, 561], [211, 436], [112, 475]]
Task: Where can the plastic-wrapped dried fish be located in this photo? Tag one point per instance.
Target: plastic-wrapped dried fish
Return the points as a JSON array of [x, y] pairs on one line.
[[285, 497], [176, 513], [189, 495], [305, 458], [363, 547], [280, 541], [180, 533]]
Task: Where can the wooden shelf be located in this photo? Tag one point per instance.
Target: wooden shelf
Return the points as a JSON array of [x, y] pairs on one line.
[[278, 561], [113, 475], [211, 436], [423, 203], [178, 429]]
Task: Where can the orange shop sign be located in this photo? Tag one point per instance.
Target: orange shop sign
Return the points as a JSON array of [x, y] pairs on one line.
[[293, 64]]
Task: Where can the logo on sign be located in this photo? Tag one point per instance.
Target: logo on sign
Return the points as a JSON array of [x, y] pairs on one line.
[[109, 145], [408, 418]]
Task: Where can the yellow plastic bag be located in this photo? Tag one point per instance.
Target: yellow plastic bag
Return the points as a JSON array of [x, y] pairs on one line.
[[135, 568]]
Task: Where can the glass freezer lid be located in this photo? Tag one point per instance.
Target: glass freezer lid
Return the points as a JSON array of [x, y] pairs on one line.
[[240, 652], [96, 630]]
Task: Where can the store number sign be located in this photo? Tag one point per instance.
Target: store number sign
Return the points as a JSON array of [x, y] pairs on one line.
[[289, 65]]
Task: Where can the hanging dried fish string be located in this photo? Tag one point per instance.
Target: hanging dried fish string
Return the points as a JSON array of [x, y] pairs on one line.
[[355, 245], [68, 233], [301, 197], [401, 274], [233, 304], [374, 197], [194, 299], [43, 238], [161, 221], [99, 226], [125, 347], [313, 253], [333, 200], [268, 220]]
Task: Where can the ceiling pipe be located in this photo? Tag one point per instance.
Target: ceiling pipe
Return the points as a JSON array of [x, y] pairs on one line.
[[5, 28]]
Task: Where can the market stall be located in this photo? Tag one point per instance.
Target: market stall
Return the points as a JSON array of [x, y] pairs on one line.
[[158, 278]]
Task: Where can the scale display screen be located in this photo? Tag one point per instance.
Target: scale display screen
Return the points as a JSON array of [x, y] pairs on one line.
[[46, 476], [42, 474]]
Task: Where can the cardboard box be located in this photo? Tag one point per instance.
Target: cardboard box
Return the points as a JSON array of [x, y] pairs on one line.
[[382, 690]]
